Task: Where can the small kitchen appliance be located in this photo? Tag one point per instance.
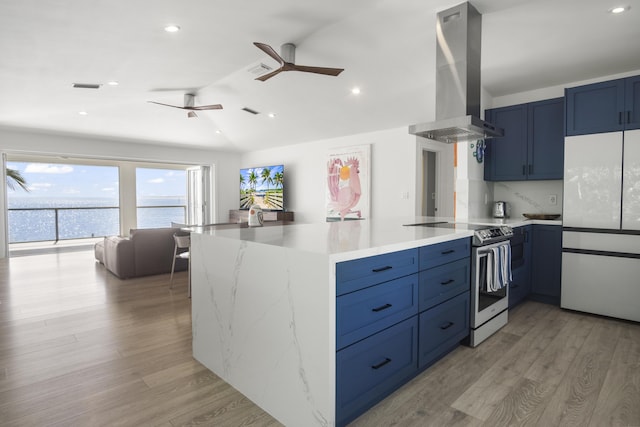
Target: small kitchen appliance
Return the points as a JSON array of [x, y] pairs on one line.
[[500, 209], [255, 216]]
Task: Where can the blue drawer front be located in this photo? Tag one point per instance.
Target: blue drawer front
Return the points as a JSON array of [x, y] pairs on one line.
[[442, 328], [371, 369], [441, 283], [365, 312], [365, 272], [442, 253]]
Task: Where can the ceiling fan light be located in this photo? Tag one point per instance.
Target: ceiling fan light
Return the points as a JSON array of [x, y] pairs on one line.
[[172, 28]]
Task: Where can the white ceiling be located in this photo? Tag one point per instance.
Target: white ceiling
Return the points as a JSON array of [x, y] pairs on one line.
[[387, 48]]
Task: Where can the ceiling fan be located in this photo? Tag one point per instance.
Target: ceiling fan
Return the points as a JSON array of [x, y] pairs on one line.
[[287, 60], [189, 101]]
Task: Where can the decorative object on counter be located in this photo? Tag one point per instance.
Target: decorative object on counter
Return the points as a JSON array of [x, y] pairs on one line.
[[347, 195], [255, 216], [541, 216]]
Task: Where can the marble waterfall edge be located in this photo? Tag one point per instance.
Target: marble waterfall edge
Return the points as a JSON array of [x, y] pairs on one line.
[[264, 321]]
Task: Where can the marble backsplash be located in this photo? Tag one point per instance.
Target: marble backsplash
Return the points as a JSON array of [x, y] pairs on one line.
[[528, 197]]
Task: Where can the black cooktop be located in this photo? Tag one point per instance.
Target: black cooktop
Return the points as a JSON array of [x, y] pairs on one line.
[[444, 224]]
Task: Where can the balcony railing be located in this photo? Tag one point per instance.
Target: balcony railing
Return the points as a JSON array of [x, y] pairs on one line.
[[67, 223]]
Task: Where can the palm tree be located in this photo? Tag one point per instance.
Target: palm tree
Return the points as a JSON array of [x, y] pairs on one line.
[[266, 176], [15, 177], [253, 179], [278, 178], [241, 181]]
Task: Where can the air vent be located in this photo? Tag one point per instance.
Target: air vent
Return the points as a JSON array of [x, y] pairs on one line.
[[249, 110], [86, 86], [259, 69]]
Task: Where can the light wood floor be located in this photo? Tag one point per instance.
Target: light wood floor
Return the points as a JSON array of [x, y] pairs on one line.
[[79, 347]]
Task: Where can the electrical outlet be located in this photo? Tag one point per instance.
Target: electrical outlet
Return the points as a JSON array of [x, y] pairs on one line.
[[553, 199]]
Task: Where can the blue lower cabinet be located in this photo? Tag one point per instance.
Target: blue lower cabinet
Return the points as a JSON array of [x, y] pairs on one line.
[[441, 283], [369, 370], [365, 312], [442, 328]]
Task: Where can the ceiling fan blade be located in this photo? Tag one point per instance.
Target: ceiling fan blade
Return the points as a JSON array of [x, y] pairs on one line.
[[318, 70], [269, 51], [205, 107], [166, 105], [269, 75]]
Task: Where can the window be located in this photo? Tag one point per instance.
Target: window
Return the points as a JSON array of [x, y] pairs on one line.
[[161, 197], [62, 201]]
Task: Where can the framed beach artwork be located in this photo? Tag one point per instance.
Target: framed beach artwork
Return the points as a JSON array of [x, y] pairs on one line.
[[347, 183]]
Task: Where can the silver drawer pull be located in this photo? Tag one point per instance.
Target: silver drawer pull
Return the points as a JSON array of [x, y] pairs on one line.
[[447, 282], [381, 364], [446, 325], [378, 270], [450, 251], [382, 307]]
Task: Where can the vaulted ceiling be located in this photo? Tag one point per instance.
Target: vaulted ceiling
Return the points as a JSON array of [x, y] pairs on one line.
[[387, 48]]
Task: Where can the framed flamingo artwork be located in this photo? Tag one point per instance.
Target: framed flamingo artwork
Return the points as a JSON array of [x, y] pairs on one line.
[[347, 183]]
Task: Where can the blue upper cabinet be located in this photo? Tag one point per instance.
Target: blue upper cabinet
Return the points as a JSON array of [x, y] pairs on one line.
[[532, 147], [608, 106], [632, 102], [506, 157]]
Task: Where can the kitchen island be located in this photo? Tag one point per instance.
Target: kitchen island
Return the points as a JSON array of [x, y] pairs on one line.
[[264, 306]]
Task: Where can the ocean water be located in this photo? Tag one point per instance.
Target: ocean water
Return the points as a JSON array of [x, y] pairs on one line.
[[33, 219]]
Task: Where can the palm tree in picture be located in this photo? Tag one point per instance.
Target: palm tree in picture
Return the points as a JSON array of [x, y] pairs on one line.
[[253, 179], [278, 179], [14, 177], [241, 181], [266, 177]]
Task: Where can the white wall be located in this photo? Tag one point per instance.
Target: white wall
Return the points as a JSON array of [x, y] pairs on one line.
[[18, 141], [393, 172]]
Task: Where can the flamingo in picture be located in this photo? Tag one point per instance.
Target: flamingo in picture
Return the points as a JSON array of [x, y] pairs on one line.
[[344, 186]]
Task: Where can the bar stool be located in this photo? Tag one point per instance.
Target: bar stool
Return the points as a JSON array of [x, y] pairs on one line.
[[181, 251]]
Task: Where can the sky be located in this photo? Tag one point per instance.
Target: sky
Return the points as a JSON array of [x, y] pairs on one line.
[[82, 181]]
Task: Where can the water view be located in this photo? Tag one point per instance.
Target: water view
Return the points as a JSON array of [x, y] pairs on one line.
[[35, 219]]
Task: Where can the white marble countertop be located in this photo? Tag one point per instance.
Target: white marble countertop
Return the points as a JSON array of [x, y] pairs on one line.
[[347, 240]]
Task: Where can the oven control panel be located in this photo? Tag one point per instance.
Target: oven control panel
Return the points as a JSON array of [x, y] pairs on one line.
[[490, 235]]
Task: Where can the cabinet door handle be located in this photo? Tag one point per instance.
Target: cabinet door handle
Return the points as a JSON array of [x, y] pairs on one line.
[[450, 251], [530, 169], [447, 325], [447, 282], [382, 307], [379, 269], [524, 170], [628, 116], [620, 118], [381, 364]]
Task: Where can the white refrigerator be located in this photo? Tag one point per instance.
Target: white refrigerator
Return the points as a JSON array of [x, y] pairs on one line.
[[601, 224]]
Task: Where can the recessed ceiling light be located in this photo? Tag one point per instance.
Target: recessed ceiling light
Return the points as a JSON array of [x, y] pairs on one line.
[[172, 28], [271, 115], [113, 83], [218, 131], [355, 91], [83, 113], [619, 9]]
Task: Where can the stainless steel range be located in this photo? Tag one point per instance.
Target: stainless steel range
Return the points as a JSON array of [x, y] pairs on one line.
[[490, 278]]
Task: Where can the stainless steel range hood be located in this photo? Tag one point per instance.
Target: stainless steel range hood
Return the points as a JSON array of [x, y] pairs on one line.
[[458, 37]]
